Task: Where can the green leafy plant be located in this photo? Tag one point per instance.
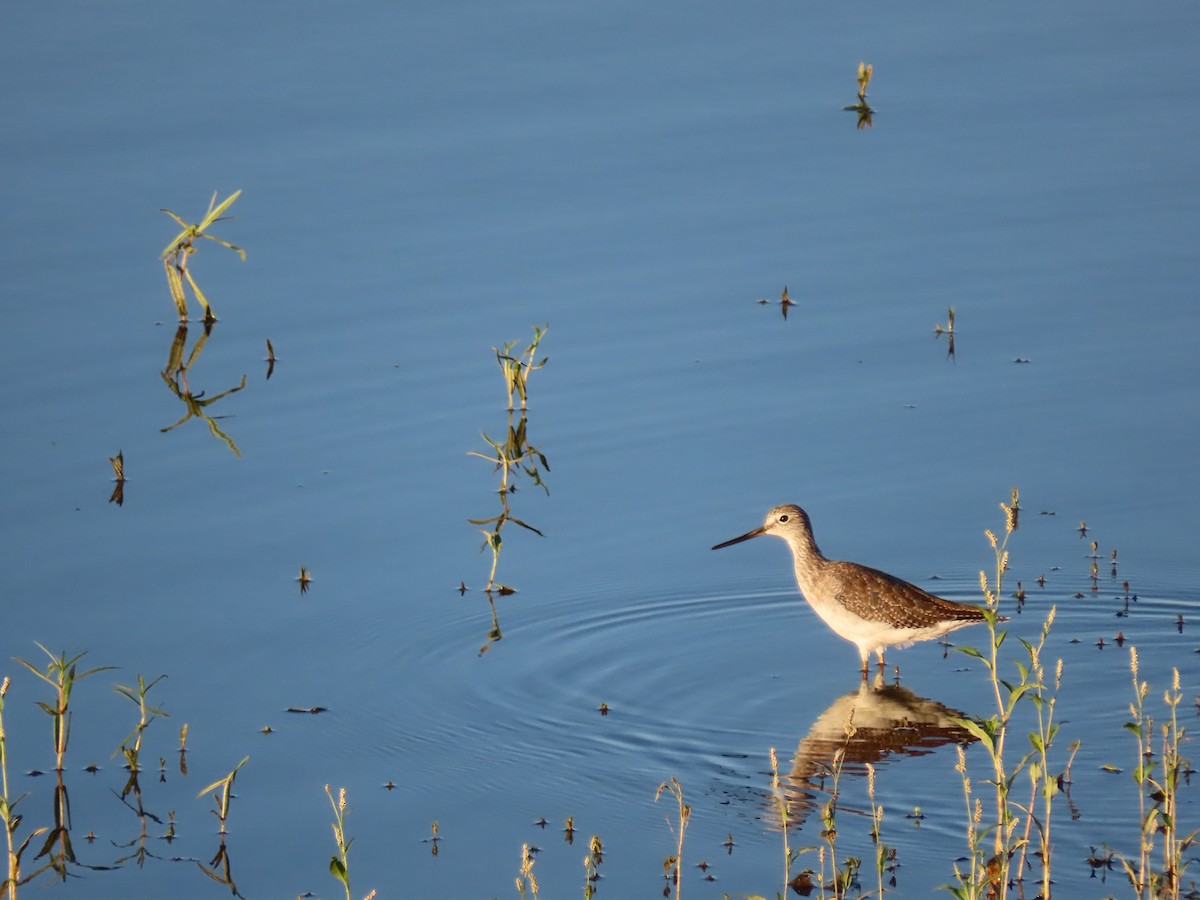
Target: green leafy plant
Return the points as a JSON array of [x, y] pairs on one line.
[[9, 816], [844, 878], [176, 254], [884, 855], [526, 880], [1158, 792], [865, 70], [517, 369], [131, 746], [224, 797], [61, 674], [991, 874], [513, 456], [591, 867], [865, 113], [949, 329], [339, 863], [673, 865], [783, 810]]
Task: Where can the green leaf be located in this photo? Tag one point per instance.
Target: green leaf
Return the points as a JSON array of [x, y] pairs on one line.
[[982, 734], [338, 871], [214, 214], [517, 521]]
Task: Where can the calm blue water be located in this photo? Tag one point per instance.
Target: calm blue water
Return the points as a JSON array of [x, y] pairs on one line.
[[423, 183]]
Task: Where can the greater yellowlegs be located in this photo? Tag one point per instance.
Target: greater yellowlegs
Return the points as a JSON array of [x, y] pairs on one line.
[[871, 609]]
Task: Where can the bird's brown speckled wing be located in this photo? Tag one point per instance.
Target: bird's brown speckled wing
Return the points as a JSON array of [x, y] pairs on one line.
[[871, 594]]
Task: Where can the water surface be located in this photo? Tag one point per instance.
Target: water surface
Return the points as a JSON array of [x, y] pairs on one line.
[[423, 184]]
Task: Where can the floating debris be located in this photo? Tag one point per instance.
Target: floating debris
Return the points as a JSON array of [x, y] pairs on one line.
[[865, 70], [312, 710], [785, 302], [118, 464], [305, 579]]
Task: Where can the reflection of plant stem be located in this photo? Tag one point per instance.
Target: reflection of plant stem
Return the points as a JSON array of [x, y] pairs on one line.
[[514, 453], [494, 633], [175, 374], [58, 844], [225, 875], [195, 408]]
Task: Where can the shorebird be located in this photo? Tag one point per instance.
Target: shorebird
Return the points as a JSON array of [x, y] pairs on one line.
[[871, 609]]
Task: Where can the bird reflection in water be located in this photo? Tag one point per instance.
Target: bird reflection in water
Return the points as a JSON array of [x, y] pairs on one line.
[[869, 725]]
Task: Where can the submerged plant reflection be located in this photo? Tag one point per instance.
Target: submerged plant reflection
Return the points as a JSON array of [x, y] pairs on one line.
[[175, 378], [514, 458]]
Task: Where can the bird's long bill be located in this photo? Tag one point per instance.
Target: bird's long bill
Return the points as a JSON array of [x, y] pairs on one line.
[[745, 537]]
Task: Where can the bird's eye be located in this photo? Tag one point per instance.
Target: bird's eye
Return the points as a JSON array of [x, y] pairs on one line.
[[783, 518]]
